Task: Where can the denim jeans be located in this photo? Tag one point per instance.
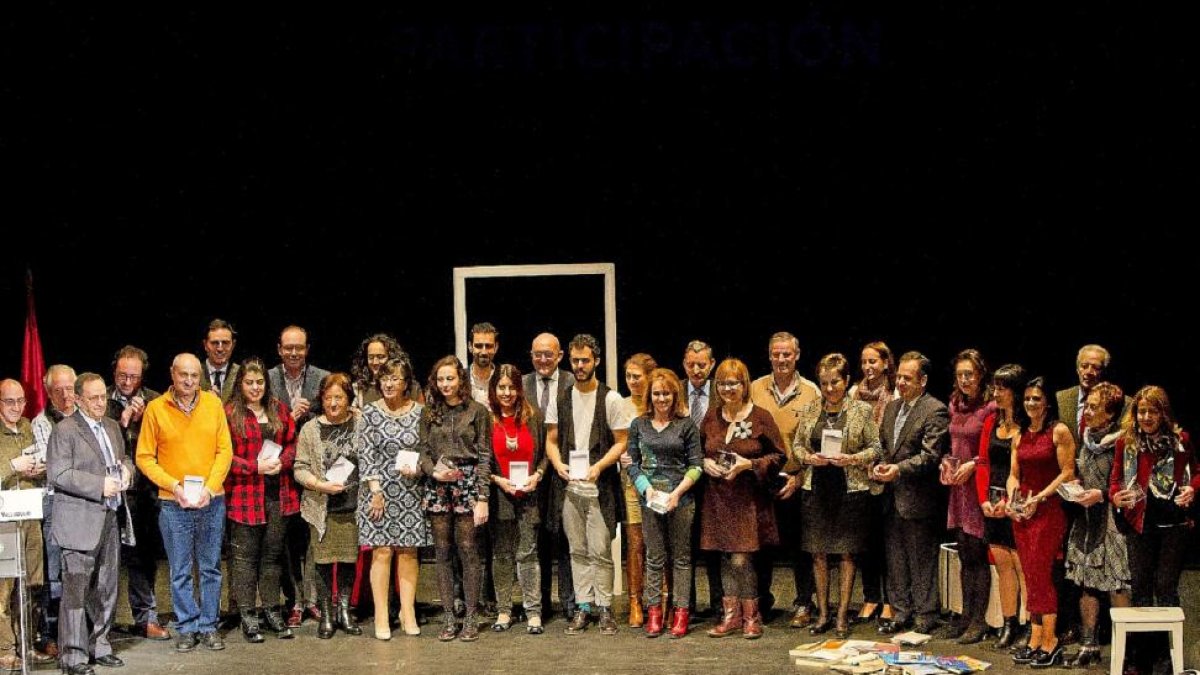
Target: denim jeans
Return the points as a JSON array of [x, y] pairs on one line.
[[193, 537]]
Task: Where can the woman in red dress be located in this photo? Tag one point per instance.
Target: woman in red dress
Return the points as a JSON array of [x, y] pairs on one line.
[[1043, 457]]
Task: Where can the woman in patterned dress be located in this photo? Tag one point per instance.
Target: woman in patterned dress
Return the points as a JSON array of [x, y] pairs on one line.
[[391, 514]]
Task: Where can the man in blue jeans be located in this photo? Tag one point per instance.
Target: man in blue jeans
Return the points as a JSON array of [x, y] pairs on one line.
[[185, 450]]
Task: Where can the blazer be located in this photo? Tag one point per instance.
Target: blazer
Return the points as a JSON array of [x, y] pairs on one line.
[[76, 468], [1068, 410], [309, 389], [860, 437], [226, 385], [529, 380], [917, 450]]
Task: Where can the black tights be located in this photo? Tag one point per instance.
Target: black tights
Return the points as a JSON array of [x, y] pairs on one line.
[[737, 575], [456, 533], [344, 573]]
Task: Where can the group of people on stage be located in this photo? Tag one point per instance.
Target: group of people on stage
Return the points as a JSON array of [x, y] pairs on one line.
[[323, 484]]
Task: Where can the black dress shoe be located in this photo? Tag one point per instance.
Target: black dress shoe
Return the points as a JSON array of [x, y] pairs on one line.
[[926, 627], [973, 634], [79, 669], [108, 661], [821, 627], [1023, 655], [1047, 659], [186, 642]]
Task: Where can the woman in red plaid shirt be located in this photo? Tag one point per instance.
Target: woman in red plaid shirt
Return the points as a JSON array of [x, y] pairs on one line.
[[260, 495]]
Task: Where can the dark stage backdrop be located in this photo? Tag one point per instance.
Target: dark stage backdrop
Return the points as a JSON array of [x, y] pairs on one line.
[[940, 177]]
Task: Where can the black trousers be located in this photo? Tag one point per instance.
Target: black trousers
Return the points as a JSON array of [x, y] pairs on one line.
[[912, 546]]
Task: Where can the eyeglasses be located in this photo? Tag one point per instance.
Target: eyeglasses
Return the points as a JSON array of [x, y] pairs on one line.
[[391, 379], [13, 401], [123, 377], [729, 384]]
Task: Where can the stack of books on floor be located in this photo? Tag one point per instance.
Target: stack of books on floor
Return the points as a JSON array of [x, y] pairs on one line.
[[864, 657]]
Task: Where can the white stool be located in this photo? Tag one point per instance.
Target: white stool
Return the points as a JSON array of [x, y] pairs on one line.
[[1145, 620]]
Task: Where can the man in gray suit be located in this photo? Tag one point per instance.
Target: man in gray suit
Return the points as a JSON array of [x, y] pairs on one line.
[[913, 434], [298, 383], [219, 372], [295, 381], [543, 387], [88, 468]]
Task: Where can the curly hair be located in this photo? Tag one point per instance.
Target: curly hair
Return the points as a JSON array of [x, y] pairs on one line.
[[435, 403]]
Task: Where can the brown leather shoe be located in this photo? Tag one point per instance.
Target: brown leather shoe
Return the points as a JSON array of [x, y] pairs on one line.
[[152, 630], [33, 656], [752, 625], [731, 618], [578, 624], [802, 617], [606, 623]]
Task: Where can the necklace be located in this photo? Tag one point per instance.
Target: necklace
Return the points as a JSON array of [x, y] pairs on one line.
[[510, 442]]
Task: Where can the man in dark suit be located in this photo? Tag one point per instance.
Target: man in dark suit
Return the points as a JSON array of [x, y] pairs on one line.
[[88, 468], [543, 387], [127, 399], [913, 435], [218, 369], [298, 383]]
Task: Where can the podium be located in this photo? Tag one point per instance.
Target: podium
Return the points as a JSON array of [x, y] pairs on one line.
[[17, 506]]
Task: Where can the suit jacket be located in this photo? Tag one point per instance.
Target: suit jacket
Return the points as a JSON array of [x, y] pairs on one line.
[[917, 450], [76, 468], [309, 389], [231, 372], [565, 381], [1068, 410]]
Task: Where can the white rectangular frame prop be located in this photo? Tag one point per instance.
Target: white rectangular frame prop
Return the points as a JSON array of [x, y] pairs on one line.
[[608, 270]]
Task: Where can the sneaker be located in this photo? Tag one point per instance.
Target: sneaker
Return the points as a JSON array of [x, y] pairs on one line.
[[186, 642], [213, 641]]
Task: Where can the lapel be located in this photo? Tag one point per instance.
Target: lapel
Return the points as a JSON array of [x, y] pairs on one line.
[[910, 422], [85, 430]]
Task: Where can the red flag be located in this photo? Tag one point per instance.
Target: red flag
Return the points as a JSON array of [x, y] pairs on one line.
[[32, 363]]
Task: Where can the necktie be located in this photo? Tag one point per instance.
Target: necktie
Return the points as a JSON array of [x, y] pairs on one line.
[[218, 378], [544, 398], [697, 406], [110, 463], [901, 416]]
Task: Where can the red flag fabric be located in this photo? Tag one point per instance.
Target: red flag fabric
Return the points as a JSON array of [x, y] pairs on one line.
[[32, 364]]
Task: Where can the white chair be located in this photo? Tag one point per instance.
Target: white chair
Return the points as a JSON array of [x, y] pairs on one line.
[[1145, 620]]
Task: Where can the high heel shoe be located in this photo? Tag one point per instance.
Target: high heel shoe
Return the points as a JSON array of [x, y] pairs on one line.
[[1047, 659], [821, 626], [870, 610], [842, 631]]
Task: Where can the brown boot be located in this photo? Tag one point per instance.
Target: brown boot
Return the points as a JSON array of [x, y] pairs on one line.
[[635, 559], [731, 618], [751, 620]]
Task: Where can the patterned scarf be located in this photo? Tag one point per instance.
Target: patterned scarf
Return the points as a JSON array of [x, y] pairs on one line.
[[877, 397]]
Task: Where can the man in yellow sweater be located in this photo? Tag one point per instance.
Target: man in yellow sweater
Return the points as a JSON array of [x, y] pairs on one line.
[[184, 448]]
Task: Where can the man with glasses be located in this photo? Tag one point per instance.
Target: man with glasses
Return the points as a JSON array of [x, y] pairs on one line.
[[89, 469], [60, 385], [543, 387], [127, 399], [218, 373], [19, 470], [185, 449]]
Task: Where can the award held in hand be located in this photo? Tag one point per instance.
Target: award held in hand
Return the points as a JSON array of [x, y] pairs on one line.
[[518, 474], [406, 460], [831, 443], [340, 470], [193, 487], [579, 464], [658, 501], [270, 450]]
